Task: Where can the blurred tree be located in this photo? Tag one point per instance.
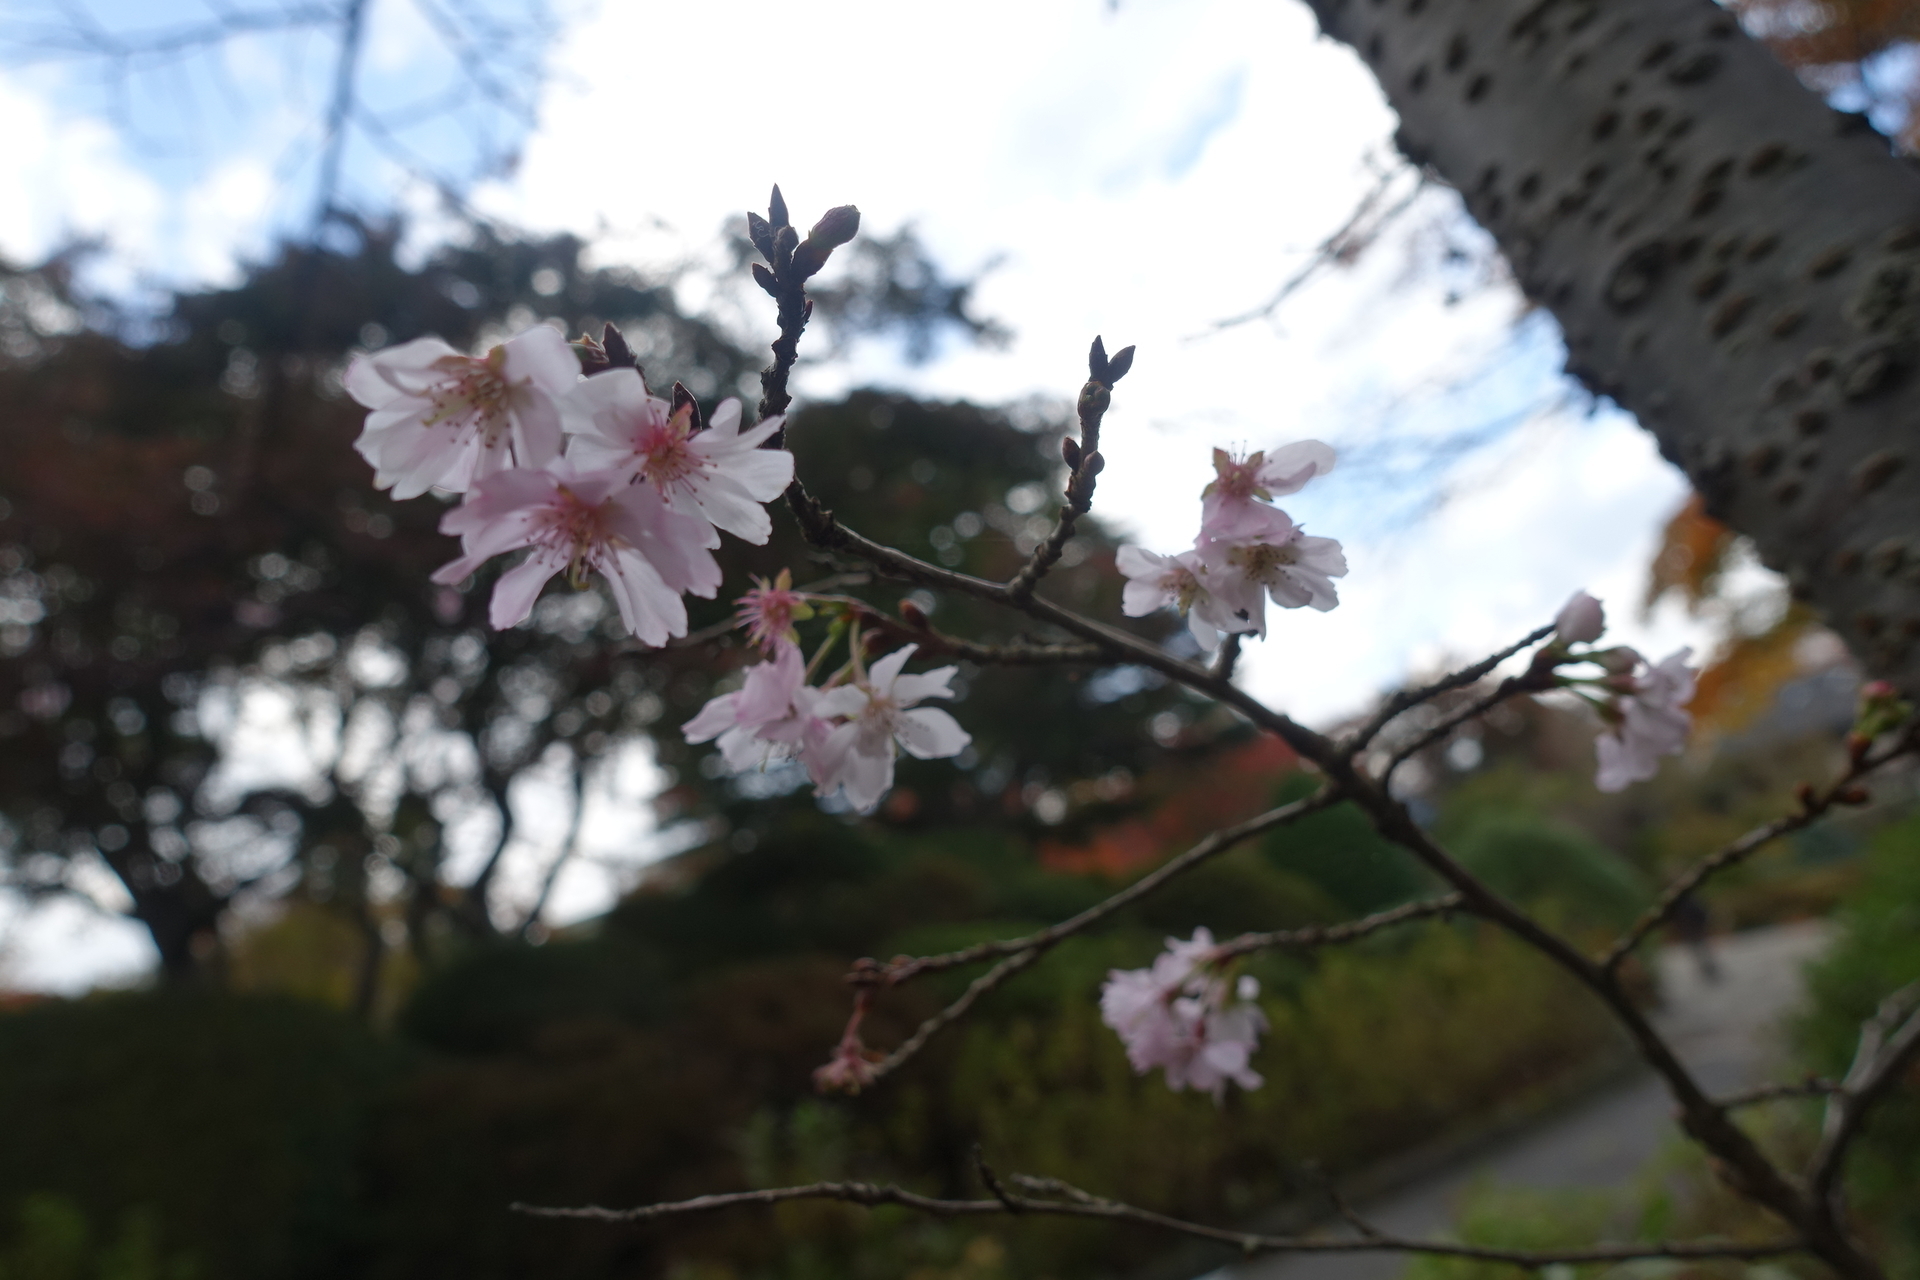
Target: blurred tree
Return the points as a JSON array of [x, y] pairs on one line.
[[227, 674]]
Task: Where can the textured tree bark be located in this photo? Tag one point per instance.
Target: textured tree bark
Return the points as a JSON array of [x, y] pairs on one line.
[[1730, 260]]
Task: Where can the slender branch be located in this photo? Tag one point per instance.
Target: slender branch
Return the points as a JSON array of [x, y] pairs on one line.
[[1889, 1042], [1017, 653], [1472, 711], [1813, 806], [339, 110], [1328, 935], [1407, 699], [1050, 1196], [1811, 1087], [1083, 457], [1353, 235], [872, 972], [1023, 953]]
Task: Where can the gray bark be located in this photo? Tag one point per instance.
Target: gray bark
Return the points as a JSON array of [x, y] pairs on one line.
[[1730, 260]]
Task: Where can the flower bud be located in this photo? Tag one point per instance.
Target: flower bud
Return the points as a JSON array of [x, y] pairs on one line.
[[1580, 620], [913, 615], [1854, 795], [760, 231], [836, 226], [777, 209], [1070, 450]]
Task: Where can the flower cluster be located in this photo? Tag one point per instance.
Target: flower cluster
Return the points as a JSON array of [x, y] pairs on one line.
[[845, 732], [1179, 1015], [586, 474], [1248, 551], [1642, 704]]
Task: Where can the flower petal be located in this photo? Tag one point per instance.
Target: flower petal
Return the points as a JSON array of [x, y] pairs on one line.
[[928, 733]]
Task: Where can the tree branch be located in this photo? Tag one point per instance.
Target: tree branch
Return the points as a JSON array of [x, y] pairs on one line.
[[1050, 1196], [1813, 806], [1407, 699], [1889, 1042], [1328, 935], [1084, 460]]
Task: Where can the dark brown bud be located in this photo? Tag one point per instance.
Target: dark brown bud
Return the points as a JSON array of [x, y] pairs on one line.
[[1857, 746], [1097, 362], [1117, 367], [1854, 795], [1070, 450], [760, 231], [1804, 794], [836, 226], [619, 354], [764, 278], [808, 259], [1094, 464], [913, 615], [777, 209], [785, 241]]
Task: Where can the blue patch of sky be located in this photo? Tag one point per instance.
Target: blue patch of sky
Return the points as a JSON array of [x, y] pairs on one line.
[[1212, 114], [444, 90]]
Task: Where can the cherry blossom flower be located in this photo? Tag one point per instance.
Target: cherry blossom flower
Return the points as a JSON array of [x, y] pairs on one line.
[[721, 474], [768, 719], [577, 520], [1234, 505], [1155, 581], [858, 755], [1176, 1015], [1580, 621], [1292, 570], [1646, 720], [444, 420], [769, 610]]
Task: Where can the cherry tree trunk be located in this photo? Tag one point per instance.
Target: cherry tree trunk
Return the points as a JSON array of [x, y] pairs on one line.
[[1730, 260]]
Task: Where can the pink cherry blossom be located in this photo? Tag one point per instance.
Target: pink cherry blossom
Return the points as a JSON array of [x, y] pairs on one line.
[[577, 520], [769, 610], [1580, 621], [768, 719], [1155, 582], [858, 754], [1292, 570], [1647, 720], [444, 420], [720, 474], [1176, 1015], [1235, 506]]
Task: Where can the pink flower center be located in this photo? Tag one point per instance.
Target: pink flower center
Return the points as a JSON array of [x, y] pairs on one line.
[[577, 528], [668, 451], [474, 398], [1261, 560], [1238, 477]]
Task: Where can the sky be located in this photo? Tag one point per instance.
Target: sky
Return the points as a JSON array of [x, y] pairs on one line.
[[1139, 170]]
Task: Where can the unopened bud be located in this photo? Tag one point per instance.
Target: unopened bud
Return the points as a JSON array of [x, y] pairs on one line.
[[760, 231], [1094, 464], [1854, 795], [764, 278], [785, 241], [777, 209], [1070, 450], [808, 259], [1580, 620], [913, 615], [1117, 366], [1857, 746], [1804, 794], [836, 226]]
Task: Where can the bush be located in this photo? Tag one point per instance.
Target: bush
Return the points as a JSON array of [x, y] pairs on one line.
[[235, 1122]]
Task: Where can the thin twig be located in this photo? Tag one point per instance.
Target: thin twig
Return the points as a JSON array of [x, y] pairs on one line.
[[1228, 657], [1343, 245], [1811, 1087], [1072, 1202], [1889, 1041], [903, 970], [1084, 459], [1813, 806], [1328, 935], [1407, 699], [1023, 953]]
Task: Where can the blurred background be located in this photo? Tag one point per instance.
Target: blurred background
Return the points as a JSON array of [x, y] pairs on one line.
[[332, 922]]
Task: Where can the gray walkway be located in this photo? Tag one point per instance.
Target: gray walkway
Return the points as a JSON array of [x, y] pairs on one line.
[[1726, 1031]]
